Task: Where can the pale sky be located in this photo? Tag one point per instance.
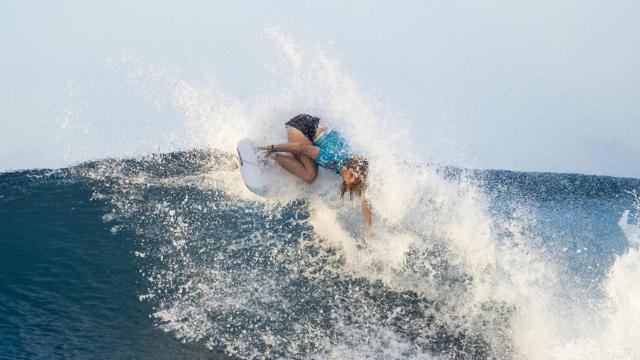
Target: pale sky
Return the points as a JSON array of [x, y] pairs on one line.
[[540, 85]]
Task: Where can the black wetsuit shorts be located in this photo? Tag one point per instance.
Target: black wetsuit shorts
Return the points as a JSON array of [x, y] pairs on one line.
[[306, 123]]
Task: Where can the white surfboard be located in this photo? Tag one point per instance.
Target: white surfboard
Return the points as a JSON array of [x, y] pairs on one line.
[[250, 168]]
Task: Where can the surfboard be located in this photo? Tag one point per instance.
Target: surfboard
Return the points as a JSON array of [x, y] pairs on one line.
[[250, 168]]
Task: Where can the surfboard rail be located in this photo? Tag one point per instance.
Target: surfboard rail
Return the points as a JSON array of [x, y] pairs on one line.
[[251, 170]]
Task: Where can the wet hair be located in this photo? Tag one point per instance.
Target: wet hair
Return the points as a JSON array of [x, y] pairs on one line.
[[360, 166]]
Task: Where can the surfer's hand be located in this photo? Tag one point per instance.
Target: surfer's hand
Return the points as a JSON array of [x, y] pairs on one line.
[[366, 214], [268, 150]]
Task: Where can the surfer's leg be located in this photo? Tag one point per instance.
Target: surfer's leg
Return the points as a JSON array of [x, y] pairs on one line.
[[295, 167], [299, 165]]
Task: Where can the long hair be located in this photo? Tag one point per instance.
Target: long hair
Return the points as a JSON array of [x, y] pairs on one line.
[[360, 166]]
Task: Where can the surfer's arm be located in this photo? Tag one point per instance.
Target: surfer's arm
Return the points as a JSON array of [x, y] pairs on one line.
[[366, 214], [295, 148]]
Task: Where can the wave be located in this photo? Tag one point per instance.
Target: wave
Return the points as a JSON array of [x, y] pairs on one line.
[[276, 278]]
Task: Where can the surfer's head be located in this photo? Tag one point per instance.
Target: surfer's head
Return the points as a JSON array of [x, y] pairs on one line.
[[354, 176]]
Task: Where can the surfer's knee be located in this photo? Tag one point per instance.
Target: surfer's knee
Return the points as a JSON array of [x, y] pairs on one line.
[[310, 176]]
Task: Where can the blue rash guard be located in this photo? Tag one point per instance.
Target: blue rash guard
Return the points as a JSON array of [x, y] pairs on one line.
[[333, 150]]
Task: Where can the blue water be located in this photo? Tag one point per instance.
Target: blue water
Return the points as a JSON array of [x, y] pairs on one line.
[[142, 261], [68, 286]]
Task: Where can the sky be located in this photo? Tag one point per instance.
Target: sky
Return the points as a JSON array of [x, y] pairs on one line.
[[546, 85]]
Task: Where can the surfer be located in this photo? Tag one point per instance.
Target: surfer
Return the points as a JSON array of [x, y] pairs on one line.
[[312, 143]]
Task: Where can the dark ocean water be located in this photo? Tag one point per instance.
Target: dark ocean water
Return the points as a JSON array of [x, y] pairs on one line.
[[100, 262], [68, 286]]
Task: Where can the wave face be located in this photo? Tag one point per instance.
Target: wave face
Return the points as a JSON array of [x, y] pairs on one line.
[[95, 258]]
